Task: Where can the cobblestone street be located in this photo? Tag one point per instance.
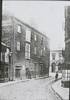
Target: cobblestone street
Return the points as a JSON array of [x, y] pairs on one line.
[[30, 90]]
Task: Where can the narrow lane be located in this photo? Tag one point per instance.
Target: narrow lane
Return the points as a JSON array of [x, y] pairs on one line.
[[30, 90]]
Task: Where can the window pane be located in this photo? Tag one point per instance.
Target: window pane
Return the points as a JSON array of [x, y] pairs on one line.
[[28, 35], [27, 47], [18, 46], [35, 37], [19, 29]]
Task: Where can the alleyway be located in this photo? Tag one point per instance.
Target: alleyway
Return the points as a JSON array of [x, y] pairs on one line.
[[30, 90]]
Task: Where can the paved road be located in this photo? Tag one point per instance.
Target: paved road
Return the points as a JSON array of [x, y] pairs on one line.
[[30, 90]]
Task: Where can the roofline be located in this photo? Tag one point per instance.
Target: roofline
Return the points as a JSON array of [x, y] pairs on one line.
[[30, 27]]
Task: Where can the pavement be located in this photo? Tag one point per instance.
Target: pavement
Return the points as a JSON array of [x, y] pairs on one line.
[[62, 92], [31, 90], [12, 82], [18, 81]]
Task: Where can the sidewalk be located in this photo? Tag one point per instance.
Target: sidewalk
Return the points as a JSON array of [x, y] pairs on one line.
[[12, 82], [61, 91], [18, 81]]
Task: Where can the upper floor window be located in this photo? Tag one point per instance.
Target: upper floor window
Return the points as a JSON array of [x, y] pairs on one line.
[[42, 41], [27, 47], [19, 28], [35, 37], [27, 51], [18, 46], [28, 35]]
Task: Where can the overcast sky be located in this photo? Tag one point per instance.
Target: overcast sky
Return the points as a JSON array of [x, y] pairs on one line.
[[46, 16]]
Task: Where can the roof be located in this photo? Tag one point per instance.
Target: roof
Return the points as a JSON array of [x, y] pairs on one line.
[[30, 27], [9, 16]]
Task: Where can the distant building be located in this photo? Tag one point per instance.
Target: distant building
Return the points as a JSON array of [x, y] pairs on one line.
[[29, 47], [56, 59]]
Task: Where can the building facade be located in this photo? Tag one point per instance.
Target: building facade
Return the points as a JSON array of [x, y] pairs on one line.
[[56, 60], [4, 62], [66, 68], [29, 48]]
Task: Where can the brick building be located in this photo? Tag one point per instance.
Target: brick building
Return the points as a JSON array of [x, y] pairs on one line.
[[29, 48]]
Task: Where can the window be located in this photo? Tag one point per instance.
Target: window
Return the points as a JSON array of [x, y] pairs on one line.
[[28, 35], [27, 47], [53, 56], [19, 29], [35, 50], [42, 41], [27, 51], [35, 37], [18, 46]]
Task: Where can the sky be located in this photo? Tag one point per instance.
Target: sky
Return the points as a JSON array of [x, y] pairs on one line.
[[45, 16]]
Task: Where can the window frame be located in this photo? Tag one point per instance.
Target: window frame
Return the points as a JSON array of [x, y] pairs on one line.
[[19, 30]]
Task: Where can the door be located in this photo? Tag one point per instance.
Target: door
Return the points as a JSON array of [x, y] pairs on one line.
[[17, 73]]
